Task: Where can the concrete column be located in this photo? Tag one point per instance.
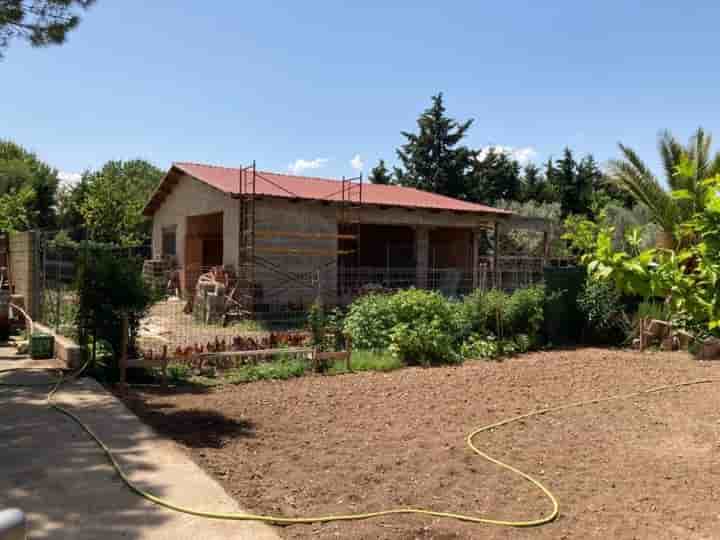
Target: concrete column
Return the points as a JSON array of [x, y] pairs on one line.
[[475, 259], [422, 256]]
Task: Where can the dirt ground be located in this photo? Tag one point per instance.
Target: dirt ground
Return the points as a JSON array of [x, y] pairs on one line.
[[642, 468]]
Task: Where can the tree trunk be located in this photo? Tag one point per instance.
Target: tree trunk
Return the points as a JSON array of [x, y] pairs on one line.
[[664, 240]]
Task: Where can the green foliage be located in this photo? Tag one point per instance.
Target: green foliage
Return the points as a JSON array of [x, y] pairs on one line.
[[500, 314], [433, 158], [380, 174], [687, 167], [280, 369], [109, 284], [369, 361], [28, 189], [496, 176], [14, 213], [114, 199], [369, 321], [417, 326], [40, 22], [426, 342], [178, 373], [604, 312], [326, 327]]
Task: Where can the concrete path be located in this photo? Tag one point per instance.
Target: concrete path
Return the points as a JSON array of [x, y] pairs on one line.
[[58, 476]]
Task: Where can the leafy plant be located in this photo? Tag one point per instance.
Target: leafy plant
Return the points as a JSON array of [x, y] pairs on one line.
[[603, 309], [178, 373], [280, 369]]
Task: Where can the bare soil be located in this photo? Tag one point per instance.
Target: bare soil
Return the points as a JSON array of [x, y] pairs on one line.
[[640, 468]]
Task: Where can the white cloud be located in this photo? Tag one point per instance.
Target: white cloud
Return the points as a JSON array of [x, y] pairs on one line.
[[69, 178], [522, 155], [302, 165], [357, 163]]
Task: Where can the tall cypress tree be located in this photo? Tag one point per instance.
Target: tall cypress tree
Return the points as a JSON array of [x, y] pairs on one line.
[[433, 159]]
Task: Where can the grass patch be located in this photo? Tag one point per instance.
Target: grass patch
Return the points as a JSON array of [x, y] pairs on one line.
[[280, 369], [368, 361]]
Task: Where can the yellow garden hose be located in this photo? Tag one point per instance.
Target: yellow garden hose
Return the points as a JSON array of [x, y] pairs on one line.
[[283, 520]]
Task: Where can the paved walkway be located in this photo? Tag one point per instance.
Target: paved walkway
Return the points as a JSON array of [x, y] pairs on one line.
[[57, 475]]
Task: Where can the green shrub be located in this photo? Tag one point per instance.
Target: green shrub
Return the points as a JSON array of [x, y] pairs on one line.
[[524, 313], [280, 369], [369, 322], [178, 373], [424, 342], [478, 347], [504, 315], [602, 308], [368, 361]]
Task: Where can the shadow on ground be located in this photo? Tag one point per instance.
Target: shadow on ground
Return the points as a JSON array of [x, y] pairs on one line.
[[53, 471]]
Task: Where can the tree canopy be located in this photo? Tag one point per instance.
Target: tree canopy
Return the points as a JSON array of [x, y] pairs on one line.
[[40, 22], [433, 158], [113, 201], [32, 182], [380, 174]]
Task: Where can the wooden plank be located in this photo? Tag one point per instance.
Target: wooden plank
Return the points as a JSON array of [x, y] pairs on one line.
[[337, 355], [258, 352], [308, 252], [288, 234]]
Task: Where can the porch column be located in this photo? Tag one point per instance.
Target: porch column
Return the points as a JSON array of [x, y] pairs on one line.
[[475, 258], [496, 255], [422, 256]]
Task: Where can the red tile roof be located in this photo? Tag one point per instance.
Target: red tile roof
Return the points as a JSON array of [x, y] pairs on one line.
[[304, 187]]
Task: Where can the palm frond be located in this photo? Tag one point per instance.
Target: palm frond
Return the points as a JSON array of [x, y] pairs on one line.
[[671, 151], [633, 176]]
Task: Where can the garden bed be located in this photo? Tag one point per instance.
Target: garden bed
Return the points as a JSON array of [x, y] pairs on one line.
[[641, 468]]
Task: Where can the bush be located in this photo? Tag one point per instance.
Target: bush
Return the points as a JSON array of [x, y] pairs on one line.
[[369, 322], [109, 284], [178, 373], [417, 326], [603, 312], [500, 314]]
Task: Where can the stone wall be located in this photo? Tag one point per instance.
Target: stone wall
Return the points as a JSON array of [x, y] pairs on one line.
[[25, 269]]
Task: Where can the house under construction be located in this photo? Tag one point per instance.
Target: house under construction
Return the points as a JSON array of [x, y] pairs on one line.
[[281, 241]]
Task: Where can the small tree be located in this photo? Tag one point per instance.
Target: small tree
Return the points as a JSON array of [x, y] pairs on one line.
[[110, 285]]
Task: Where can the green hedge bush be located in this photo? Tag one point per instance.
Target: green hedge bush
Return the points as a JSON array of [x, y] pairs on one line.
[[424, 327]]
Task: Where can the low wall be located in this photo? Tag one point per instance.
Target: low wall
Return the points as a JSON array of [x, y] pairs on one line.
[[66, 350]]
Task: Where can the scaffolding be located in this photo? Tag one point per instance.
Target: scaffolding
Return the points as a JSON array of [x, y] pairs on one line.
[[254, 258]]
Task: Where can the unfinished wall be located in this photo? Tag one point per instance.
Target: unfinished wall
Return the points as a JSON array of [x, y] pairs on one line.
[[25, 269], [191, 197], [313, 259]]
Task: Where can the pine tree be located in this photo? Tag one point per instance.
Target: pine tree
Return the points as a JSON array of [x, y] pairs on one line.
[[532, 184], [380, 174], [432, 159], [41, 22], [496, 176]]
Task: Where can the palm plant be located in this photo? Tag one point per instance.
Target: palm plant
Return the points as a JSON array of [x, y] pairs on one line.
[[685, 166]]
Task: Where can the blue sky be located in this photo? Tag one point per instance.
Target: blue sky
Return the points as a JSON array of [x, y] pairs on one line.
[[317, 83]]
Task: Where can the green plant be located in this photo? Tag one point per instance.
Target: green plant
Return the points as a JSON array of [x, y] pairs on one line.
[[603, 310], [178, 373], [480, 347], [368, 361], [369, 321], [686, 168], [424, 343], [109, 286], [283, 369]]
